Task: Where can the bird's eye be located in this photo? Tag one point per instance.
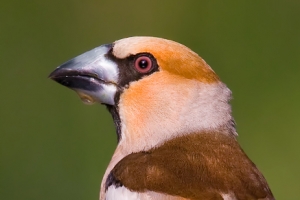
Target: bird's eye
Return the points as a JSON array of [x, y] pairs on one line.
[[143, 64]]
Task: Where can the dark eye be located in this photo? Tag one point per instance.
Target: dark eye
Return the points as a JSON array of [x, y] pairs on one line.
[[143, 64]]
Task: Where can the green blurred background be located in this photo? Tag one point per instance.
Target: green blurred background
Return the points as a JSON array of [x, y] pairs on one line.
[[55, 147]]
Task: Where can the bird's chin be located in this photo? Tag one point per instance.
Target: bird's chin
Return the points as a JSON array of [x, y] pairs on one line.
[[85, 98]]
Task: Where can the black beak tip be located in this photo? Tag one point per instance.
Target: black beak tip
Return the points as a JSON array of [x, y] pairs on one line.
[[58, 73], [51, 76]]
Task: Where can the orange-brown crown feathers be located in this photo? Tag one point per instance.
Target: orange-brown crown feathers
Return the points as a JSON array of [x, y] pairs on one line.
[[171, 56]]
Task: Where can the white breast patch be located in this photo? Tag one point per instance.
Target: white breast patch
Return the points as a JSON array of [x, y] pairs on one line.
[[121, 193]]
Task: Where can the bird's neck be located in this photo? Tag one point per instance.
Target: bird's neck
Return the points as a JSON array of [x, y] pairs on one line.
[[159, 116]]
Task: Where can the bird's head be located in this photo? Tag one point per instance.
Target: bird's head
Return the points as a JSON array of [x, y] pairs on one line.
[[156, 89]]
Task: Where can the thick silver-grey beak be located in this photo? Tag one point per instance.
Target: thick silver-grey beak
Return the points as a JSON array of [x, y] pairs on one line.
[[92, 75]]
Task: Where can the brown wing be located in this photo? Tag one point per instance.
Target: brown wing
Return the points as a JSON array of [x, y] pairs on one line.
[[197, 166]]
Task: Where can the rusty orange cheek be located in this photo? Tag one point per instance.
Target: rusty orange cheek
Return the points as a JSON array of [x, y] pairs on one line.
[[148, 98]]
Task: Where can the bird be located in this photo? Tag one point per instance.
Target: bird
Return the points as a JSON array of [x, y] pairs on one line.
[[176, 136]]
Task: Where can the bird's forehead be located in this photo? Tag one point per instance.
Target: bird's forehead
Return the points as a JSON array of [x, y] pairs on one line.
[[171, 56], [134, 45]]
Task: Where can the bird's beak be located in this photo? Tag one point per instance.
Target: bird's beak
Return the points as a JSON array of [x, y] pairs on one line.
[[92, 75]]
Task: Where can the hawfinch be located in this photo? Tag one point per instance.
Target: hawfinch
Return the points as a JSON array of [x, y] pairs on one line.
[[176, 135]]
